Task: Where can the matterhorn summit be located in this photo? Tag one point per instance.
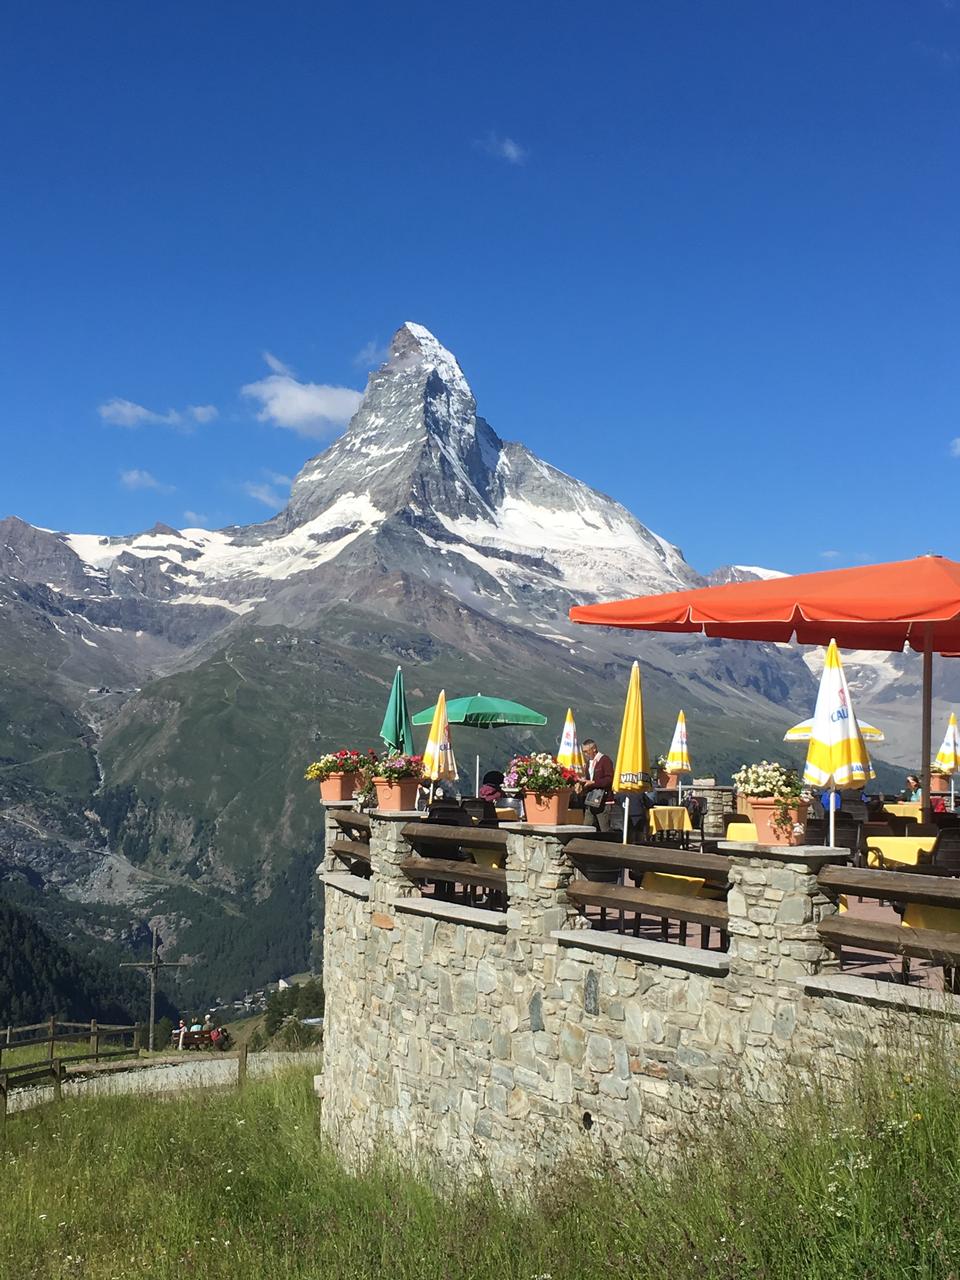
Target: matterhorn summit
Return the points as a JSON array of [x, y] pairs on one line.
[[486, 516], [417, 484]]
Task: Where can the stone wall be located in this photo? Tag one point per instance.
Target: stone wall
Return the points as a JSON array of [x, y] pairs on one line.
[[479, 1041]]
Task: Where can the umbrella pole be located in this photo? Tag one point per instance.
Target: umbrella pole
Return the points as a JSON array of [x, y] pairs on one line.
[[952, 801], [833, 812], [626, 817], [925, 746], [476, 785]]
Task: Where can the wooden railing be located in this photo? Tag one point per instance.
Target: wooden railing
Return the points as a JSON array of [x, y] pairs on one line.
[[906, 888], [474, 861], [51, 1068], [695, 897], [57, 1032], [353, 847]]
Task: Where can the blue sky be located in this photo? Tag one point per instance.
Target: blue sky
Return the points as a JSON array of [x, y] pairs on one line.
[[702, 255]]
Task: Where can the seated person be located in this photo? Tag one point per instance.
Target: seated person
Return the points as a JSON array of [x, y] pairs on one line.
[[491, 788], [913, 792], [196, 1025]]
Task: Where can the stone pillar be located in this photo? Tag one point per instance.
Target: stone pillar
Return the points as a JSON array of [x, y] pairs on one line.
[[538, 872], [775, 905], [388, 849]]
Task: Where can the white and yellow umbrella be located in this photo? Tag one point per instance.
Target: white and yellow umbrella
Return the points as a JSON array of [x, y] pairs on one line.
[[631, 771], [803, 732], [678, 757], [438, 758], [948, 757], [570, 753], [837, 757]]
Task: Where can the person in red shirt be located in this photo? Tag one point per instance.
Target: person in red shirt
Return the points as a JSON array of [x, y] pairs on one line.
[[597, 788]]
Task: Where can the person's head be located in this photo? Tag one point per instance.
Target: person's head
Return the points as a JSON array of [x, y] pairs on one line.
[[493, 778], [913, 782], [589, 748]]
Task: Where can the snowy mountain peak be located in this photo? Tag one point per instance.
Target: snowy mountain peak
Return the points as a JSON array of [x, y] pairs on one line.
[[413, 344], [417, 484]]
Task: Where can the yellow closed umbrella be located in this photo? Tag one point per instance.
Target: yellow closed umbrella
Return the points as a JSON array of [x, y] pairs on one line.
[[631, 772], [837, 756], [678, 757], [439, 761], [570, 753], [948, 757]]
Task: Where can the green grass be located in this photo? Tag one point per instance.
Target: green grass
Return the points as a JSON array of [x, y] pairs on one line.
[[228, 1184]]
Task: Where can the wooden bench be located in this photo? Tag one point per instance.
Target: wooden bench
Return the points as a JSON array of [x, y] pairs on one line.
[[197, 1040]]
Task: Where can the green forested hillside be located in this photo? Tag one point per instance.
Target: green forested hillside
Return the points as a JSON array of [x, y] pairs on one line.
[[39, 977]]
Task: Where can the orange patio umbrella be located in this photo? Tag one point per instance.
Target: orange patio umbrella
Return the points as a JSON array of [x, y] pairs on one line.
[[879, 606]]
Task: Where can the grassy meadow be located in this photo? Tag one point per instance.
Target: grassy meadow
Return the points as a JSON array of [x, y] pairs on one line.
[[231, 1184]]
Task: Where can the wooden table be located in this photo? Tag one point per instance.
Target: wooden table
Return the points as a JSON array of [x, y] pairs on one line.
[[902, 849], [669, 817], [908, 809]]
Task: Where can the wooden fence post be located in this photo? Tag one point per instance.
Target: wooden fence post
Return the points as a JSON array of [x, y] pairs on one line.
[[57, 1085], [94, 1040], [138, 1037], [3, 1103], [241, 1066], [53, 1036]]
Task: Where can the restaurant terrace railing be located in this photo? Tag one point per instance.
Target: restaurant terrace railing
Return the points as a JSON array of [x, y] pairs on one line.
[[930, 925], [352, 845], [669, 884]]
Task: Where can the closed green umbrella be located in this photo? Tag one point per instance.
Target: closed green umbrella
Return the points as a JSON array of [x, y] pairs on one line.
[[483, 713], [396, 730]]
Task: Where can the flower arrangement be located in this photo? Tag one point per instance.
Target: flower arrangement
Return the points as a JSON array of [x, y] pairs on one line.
[[770, 780], [343, 761], [538, 774], [660, 764], [396, 767]]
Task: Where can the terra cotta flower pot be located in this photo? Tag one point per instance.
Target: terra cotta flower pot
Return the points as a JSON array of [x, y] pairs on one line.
[[548, 810], [764, 811], [939, 784], [395, 794], [339, 786]]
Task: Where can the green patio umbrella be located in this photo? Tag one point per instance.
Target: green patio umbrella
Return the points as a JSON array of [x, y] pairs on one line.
[[396, 730], [483, 713]]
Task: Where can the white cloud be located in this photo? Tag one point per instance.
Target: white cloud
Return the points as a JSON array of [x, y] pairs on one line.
[[503, 148], [126, 413], [371, 355], [277, 365], [309, 408], [264, 493], [137, 479], [276, 478], [196, 519], [955, 447], [829, 555]]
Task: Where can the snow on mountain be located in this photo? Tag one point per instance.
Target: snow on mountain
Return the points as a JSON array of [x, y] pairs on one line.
[[741, 573], [418, 476]]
